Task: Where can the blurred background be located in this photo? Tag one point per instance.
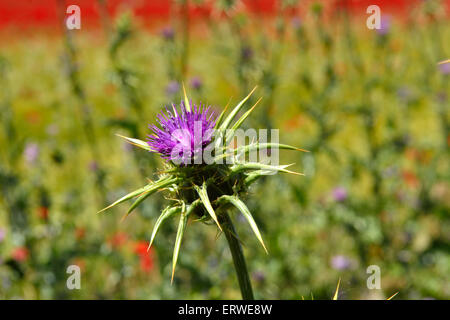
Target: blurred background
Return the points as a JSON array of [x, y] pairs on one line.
[[372, 106]]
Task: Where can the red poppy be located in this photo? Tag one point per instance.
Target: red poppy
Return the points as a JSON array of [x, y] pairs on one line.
[[43, 212], [145, 257], [20, 254], [410, 178], [80, 233], [118, 239]]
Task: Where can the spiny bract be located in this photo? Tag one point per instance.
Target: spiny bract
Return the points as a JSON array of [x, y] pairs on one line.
[[202, 190]]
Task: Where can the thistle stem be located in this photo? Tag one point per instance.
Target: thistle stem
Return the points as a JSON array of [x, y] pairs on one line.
[[238, 257]]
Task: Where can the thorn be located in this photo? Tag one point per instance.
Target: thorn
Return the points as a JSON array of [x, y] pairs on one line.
[[335, 297], [391, 297]]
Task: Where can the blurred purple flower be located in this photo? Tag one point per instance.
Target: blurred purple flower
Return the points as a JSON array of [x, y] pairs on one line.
[[259, 276], [296, 22], [196, 83], [246, 53], [2, 235], [93, 166], [172, 88], [168, 33], [385, 25], [442, 97], [444, 68], [31, 152], [404, 94], [52, 129], [339, 194], [340, 262]]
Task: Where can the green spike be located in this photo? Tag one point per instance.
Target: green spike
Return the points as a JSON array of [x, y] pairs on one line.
[[260, 166], [257, 146], [187, 105], [239, 122], [336, 293], [166, 214], [136, 142], [180, 233], [234, 200], [156, 186], [203, 194], [222, 114], [233, 113]]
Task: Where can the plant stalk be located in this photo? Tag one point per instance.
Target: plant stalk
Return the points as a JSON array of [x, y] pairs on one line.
[[238, 257]]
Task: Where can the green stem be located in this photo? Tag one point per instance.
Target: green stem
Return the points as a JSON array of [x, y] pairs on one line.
[[238, 257]]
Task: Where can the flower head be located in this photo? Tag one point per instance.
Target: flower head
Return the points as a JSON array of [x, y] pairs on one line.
[[208, 190], [183, 134]]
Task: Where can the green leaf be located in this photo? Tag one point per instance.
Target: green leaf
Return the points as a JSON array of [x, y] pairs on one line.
[[233, 113], [155, 187], [136, 142], [203, 194], [180, 233], [166, 214], [244, 210]]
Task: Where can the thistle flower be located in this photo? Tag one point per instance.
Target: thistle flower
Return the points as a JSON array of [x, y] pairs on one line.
[[178, 140], [204, 191]]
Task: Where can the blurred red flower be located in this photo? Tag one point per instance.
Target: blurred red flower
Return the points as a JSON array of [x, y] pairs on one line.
[[43, 212], [20, 254], [80, 233], [118, 239], [410, 178], [145, 257]]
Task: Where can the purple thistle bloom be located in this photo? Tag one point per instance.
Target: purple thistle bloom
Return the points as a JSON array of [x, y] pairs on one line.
[[339, 194], [182, 136]]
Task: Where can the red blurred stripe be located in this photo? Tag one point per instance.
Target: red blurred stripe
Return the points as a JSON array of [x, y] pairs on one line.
[[35, 13]]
